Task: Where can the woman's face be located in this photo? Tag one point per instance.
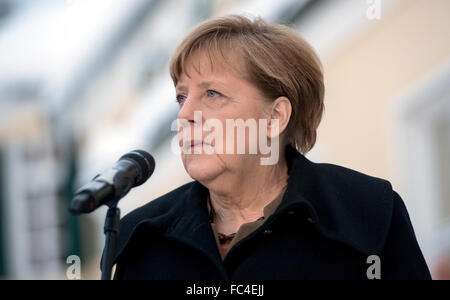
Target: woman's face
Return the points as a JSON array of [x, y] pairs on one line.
[[212, 95]]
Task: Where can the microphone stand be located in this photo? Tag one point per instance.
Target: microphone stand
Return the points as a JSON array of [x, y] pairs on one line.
[[111, 230]]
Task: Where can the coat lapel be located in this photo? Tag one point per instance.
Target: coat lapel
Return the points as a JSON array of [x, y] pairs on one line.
[[193, 227], [186, 222]]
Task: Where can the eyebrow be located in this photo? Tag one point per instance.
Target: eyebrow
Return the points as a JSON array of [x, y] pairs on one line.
[[204, 84], [181, 88]]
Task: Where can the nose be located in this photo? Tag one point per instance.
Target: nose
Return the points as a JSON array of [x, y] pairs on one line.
[[190, 121], [188, 109]]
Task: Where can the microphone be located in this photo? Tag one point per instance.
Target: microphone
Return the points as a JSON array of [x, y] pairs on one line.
[[132, 169]]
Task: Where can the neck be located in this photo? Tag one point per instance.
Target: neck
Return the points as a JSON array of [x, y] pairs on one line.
[[241, 198]]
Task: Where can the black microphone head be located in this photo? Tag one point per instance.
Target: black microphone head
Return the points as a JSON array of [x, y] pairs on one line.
[[145, 162], [82, 203]]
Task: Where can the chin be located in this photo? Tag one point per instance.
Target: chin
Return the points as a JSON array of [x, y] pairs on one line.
[[202, 167]]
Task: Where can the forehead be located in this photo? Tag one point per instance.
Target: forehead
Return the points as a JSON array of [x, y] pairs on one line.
[[213, 64]]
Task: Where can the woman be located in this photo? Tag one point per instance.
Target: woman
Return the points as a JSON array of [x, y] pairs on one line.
[[286, 218]]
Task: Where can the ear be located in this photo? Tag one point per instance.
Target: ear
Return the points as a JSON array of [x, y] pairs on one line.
[[281, 111]]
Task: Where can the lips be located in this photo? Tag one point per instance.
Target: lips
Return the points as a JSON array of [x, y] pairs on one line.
[[195, 143]]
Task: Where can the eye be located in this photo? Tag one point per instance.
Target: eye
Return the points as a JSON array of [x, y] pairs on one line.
[[180, 99], [213, 94]]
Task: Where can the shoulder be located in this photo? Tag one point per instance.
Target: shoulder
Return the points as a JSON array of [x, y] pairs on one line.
[[341, 178], [332, 182], [350, 206], [349, 188]]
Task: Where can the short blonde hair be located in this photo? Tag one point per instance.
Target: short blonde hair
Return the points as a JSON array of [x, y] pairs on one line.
[[277, 60]]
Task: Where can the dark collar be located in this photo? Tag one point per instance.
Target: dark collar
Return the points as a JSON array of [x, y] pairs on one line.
[[343, 205]]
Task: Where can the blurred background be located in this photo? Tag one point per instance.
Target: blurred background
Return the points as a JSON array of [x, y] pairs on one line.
[[84, 81]]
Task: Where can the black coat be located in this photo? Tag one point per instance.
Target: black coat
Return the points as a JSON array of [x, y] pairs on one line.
[[330, 221]]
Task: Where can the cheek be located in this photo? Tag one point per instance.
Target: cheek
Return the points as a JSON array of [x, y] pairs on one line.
[[203, 167]]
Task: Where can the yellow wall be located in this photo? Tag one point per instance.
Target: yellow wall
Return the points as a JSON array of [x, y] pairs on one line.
[[364, 78]]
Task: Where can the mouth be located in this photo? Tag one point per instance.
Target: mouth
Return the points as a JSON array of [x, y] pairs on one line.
[[196, 144]]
